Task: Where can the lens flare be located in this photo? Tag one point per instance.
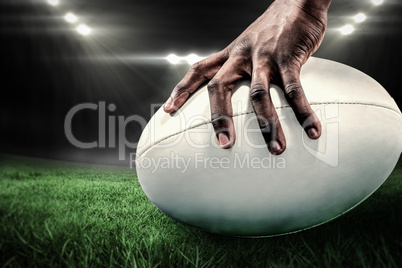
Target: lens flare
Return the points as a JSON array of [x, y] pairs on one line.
[[347, 29], [70, 17], [359, 17], [53, 2], [193, 58], [173, 59], [377, 2], [83, 29]]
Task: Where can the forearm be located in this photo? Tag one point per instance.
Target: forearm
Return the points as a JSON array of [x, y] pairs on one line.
[[317, 4]]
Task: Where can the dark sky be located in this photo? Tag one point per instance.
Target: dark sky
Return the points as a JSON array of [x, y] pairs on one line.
[[47, 68]]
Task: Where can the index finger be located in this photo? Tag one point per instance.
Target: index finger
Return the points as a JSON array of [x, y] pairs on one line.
[[198, 74]]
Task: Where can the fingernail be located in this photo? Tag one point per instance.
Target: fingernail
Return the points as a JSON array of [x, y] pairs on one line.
[[223, 139], [168, 103], [312, 133], [274, 146]]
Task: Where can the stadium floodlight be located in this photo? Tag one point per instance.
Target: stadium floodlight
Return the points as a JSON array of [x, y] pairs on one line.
[[53, 2], [359, 17], [347, 29], [377, 2], [193, 58], [173, 59], [70, 17], [83, 29]]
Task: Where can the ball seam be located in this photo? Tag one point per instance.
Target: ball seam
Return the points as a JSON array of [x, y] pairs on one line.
[[276, 108]]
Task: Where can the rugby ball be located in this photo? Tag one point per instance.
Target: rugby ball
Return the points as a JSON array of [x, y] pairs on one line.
[[245, 190]]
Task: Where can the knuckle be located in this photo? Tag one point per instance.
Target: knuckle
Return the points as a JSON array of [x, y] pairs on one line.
[[220, 121], [219, 117], [179, 89], [243, 46], [293, 91], [224, 53], [214, 85], [290, 60], [258, 93], [304, 115], [265, 126], [307, 117], [197, 67], [267, 123]]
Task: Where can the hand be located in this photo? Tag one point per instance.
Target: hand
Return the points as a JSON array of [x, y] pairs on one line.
[[273, 48]]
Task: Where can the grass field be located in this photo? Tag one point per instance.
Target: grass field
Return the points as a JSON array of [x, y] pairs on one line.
[[66, 214]]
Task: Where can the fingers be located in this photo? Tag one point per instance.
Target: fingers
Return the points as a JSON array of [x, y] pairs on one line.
[[264, 109], [199, 73], [220, 93], [297, 100]]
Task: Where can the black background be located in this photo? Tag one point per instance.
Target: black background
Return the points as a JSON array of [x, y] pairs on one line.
[[47, 68]]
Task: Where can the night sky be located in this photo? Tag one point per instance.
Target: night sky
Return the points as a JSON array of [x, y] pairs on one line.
[[47, 67]]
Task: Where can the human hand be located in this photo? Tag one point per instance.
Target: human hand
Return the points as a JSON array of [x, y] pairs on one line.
[[273, 48]]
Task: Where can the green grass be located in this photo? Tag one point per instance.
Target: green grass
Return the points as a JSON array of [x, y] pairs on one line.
[[65, 214]]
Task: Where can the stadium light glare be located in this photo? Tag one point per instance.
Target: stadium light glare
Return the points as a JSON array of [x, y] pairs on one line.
[[83, 29], [193, 58], [70, 17], [347, 29], [377, 2], [173, 59], [53, 2], [360, 17]]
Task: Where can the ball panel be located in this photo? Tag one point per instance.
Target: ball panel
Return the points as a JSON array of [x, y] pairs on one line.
[[285, 193]]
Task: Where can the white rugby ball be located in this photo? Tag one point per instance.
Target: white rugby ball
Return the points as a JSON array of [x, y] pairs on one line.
[[247, 191]]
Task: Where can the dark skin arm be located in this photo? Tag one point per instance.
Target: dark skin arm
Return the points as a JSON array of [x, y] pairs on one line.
[[273, 48]]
